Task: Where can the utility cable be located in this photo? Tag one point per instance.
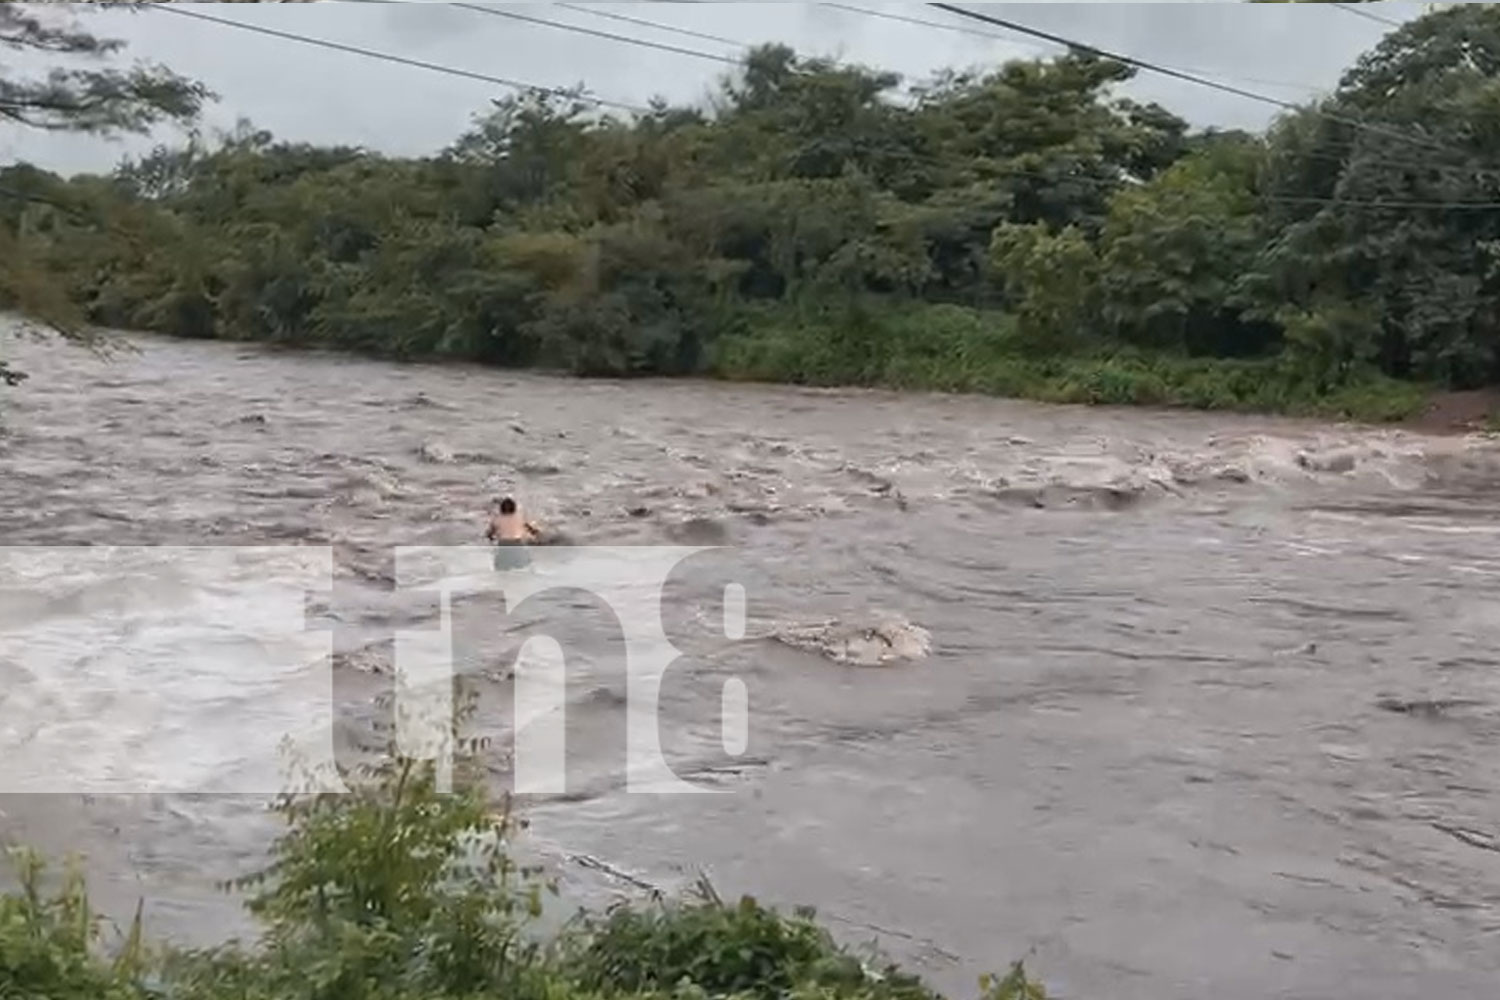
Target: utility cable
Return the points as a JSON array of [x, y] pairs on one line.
[[624, 39], [962, 30], [519, 85], [168, 8], [1186, 77], [642, 22], [1367, 15]]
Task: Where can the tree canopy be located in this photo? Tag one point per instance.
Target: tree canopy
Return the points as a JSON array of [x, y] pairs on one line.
[[1003, 229]]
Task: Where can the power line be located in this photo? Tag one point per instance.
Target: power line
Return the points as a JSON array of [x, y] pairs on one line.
[[1344, 158], [1445, 205], [907, 19], [519, 85], [1093, 50], [1279, 199], [998, 37], [1187, 77], [1367, 15], [167, 8], [672, 28], [626, 39], [1114, 184], [960, 29], [967, 31], [627, 19]]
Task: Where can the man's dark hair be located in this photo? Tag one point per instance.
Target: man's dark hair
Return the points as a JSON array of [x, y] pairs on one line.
[[507, 506]]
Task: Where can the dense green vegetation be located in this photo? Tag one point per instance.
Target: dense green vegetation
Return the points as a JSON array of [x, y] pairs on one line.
[[397, 891], [1018, 231]]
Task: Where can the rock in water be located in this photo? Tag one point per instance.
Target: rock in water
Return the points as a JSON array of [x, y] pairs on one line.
[[860, 645]]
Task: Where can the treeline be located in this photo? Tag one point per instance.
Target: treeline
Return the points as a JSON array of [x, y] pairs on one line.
[[1021, 231]]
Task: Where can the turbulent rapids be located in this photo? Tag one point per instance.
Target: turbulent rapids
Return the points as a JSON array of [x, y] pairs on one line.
[[1181, 704]]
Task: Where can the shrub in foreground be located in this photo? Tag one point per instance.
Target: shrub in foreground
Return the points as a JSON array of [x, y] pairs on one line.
[[398, 892]]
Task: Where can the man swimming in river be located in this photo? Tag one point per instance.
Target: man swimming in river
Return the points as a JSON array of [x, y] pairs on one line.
[[510, 531]]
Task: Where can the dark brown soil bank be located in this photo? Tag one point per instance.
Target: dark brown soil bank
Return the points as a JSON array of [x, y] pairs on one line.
[[1458, 412]]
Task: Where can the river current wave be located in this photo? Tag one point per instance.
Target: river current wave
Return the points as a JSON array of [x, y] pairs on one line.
[[1179, 704]]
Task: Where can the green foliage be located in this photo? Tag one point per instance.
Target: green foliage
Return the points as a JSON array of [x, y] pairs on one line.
[[743, 950], [1173, 252], [48, 942], [956, 349], [1013, 986], [1425, 277], [1056, 279], [398, 891], [1329, 344], [549, 235]]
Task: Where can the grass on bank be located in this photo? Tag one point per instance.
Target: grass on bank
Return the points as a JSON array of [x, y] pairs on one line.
[[398, 892], [954, 349]]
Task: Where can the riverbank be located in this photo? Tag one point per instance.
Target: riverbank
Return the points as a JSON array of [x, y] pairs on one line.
[[956, 349], [1160, 384], [1477, 411], [962, 351]]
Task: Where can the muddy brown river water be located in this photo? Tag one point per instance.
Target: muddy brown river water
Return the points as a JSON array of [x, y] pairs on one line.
[[1211, 708]]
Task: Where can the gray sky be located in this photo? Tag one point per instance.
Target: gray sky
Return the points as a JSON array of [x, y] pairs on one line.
[[302, 93]]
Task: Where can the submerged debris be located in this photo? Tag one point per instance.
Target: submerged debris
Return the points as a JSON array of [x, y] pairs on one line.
[[1430, 708], [860, 645]]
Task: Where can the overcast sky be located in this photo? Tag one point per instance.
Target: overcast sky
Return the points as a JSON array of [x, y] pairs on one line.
[[302, 93]]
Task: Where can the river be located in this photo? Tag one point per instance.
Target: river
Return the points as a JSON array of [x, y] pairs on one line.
[[1210, 706]]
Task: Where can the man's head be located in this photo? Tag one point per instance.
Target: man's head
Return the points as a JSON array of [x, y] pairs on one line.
[[506, 505]]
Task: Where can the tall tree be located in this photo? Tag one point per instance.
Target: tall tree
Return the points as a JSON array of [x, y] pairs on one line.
[[1173, 250], [98, 100], [1406, 232]]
